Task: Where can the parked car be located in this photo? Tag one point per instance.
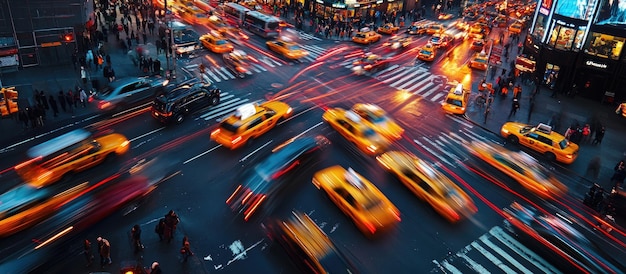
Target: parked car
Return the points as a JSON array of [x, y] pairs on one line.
[[179, 102], [129, 91]]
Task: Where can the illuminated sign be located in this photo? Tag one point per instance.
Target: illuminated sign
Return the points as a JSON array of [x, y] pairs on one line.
[[339, 5], [596, 65], [545, 7], [611, 12], [51, 44], [565, 24]]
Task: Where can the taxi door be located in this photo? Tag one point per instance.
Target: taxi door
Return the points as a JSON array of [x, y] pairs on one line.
[[466, 96], [268, 122]]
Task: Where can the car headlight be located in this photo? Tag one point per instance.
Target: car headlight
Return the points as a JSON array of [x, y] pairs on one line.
[[505, 131], [372, 148]]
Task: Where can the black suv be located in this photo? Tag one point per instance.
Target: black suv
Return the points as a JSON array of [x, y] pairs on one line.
[[177, 103]]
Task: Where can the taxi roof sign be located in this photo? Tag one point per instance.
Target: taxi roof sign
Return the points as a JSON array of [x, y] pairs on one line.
[[245, 111], [459, 89], [352, 116]]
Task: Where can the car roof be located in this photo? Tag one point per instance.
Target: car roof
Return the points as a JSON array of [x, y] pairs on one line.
[[125, 81], [58, 143]]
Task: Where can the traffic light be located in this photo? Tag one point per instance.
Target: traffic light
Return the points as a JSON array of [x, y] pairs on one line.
[[68, 37]]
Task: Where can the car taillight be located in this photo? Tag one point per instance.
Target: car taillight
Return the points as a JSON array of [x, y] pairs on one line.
[[368, 67], [233, 195], [104, 104], [235, 140], [259, 199], [370, 227], [395, 214], [240, 69]]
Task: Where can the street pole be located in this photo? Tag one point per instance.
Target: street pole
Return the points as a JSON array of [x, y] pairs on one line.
[[489, 60], [171, 65], [167, 32]]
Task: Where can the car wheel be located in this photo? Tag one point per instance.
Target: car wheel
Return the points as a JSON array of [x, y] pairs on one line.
[[179, 118], [513, 139], [215, 100], [550, 156]]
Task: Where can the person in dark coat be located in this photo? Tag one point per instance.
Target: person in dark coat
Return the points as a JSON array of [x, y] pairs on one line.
[[129, 42], [620, 174], [61, 98], [69, 98], [44, 102], [136, 235], [186, 249], [53, 105], [156, 66], [599, 136], [23, 116], [87, 251], [171, 221], [160, 228]]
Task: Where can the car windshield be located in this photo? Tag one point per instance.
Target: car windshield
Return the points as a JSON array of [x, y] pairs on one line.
[[455, 102], [360, 35], [563, 143], [376, 119], [368, 132], [19, 199], [480, 60], [425, 52], [221, 42], [293, 47], [230, 127]]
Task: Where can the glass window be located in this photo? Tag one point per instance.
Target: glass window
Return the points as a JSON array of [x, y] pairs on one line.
[[603, 45], [611, 12], [562, 37], [540, 27], [551, 75], [576, 8]]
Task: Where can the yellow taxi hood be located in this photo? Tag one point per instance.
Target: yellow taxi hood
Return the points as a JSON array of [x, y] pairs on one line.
[[112, 141], [277, 106], [513, 126]]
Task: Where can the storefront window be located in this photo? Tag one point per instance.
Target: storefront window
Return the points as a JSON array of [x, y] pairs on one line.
[[562, 37], [551, 75], [611, 12], [605, 46], [579, 9], [540, 27]]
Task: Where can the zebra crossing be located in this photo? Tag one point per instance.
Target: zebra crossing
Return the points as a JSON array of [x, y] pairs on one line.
[[494, 252], [228, 104]]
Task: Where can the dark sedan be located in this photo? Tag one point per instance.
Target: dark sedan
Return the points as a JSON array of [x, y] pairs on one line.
[[263, 180], [569, 246], [126, 92]]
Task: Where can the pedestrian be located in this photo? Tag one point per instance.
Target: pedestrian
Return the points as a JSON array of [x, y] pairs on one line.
[[514, 107], [40, 112], [136, 236], [129, 42], [157, 44], [156, 66], [104, 249], [53, 105], [185, 250], [83, 97], [586, 133], [61, 98], [531, 108], [69, 98], [517, 91], [171, 221], [487, 112], [599, 136], [594, 167], [44, 102], [156, 268], [23, 116], [87, 251], [83, 75], [88, 58], [619, 175], [145, 37], [160, 228]]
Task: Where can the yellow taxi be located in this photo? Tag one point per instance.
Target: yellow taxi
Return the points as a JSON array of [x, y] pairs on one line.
[[74, 151], [366, 36], [456, 101], [358, 198], [428, 184], [249, 122], [351, 126], [522, 168], [479, 61], [215, 42], [308, 245], [427, 53], [388, 28], [287, 49], [435, 28], [478, 31], [193, 15], [377, 119], [516, 27], [541, 139], [398, 42], [218, 24], [500, 21], [25, 206], [8, 101]]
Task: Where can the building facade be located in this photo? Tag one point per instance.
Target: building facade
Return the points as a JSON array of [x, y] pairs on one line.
[[581, 44], [41, 32]]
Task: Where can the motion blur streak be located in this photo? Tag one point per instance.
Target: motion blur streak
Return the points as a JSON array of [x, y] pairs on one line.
[[58, 235], [89, 189], [208, 58], [110, 122], [331, 52], [173, 144], [288, 89], [305, 70], [249, 45]]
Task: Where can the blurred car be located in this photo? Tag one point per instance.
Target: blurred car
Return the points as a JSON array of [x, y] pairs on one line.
[[440, 40], [249, 122], [477, 45], [563, 241], [417, 28], [500, 21], [369, 63], [444, 16], [218, 24], [308, 246], [542, 139], [128, 91], [26, 205], [521, 168], [456, 101], [175, 105], [428, 184], [388, 28], [265, 179], [215, 42], [478, 31], [192, 15], [366, 36], [358, 198], [516, 27], [237, 62], [434, 28], [398, 42], [351, 126], [378, 120], [479, 61], [460, 25], [427, 53], [71, 152], [287, 49]]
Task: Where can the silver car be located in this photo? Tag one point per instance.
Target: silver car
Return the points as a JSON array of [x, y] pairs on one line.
[[126, 92]]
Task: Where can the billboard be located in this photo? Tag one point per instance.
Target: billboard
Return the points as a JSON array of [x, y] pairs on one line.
[[578, 9], [611, 12]]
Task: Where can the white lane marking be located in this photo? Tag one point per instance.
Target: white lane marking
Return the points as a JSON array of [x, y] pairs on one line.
[[397, 76], [227, 73], [492, 258], [448, 266], [206, 78], [418, 84], [348, 61], [431, 88], [220, 74], [307, 36], [431, 151], [375, 75], [201, 154], [437, 96], [146, 134], [296, 115], [521, 250], [267, 62], [308, 129], [255, 151], [418, 77], [258, 68], [224, 104], [192, 66], [241, 255], [503, 253], [309, 58], [276, 62], [212, 75], [439, 145], [405, 78], [473, 265], [226, 111], [459, 120]]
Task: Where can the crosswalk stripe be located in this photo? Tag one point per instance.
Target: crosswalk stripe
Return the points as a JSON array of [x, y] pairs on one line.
[[430, 86], [419, 76], [227, 72], [385, 70], [268, 62], [308, 36], [442, 147], [212, 75], [258, 68], [348, 61], [505, 255], [492, 258], [206, 78], [220, 74], [309, 58], [473, 265], [431, 151], [406, 71], [226, 104], [191, 66], [243, 102], [276, 62], [459, 120], [405, 78], [314, 49], [521, 250], [451, 268], [437, 96]]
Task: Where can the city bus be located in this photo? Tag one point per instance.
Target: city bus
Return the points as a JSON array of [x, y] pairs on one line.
[[186, 39], [236, 13], [262, 24]]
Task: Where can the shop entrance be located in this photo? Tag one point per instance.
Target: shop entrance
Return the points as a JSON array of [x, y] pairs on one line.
[[591, 85]]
